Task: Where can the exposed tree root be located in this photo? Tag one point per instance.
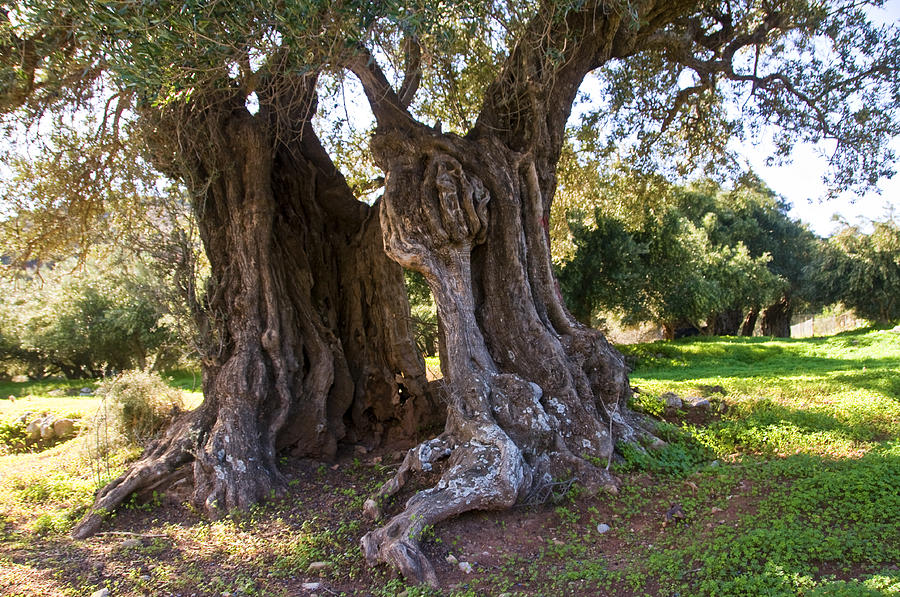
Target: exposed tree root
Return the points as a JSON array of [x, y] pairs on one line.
[[159, 466]]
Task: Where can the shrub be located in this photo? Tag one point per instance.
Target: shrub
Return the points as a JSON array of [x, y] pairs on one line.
[[12, 437], [140, 404]]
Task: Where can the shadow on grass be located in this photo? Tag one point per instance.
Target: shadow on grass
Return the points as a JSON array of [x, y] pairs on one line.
[[813, 525]]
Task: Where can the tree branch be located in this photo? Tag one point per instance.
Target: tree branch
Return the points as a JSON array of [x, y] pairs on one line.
[[389, 110], [413, 75]]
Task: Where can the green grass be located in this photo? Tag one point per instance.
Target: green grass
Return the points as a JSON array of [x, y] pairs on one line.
[[832, 396], [813, 427], [788, 486]]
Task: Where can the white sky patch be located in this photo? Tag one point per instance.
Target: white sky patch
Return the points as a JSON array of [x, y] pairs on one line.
[[252, 103]]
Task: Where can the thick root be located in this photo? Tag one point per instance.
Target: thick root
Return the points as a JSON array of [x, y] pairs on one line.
[[228, 474], [479, 476], [161, 464]]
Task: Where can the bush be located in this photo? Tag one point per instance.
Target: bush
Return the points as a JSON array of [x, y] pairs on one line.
[[139, 403], [12, 437]]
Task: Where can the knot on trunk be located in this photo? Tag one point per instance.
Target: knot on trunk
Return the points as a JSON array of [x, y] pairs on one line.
[[443, 212], [461, 202]]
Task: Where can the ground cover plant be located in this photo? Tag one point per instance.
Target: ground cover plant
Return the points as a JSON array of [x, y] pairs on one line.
[[785, 485]]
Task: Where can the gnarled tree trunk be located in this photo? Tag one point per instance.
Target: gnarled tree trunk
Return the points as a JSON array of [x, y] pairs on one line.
[[727, 323], [535, 396], [313, 334], [776, 319], [749, 324]]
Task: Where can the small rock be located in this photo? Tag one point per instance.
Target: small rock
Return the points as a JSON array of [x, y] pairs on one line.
[[104, 592], [360, 450], [696, 402], [131, 543], [311, 586], [714, 464], [33, 430], [466, 567], [57, 392], [47, 428], [86, 392], [145, 577], [64, 427], [715, 509], [451, 559], [672, 400], [602, 528], [675, 513], [317, 567]]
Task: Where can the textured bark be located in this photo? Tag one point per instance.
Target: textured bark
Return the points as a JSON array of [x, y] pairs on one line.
[[535, 396], [313, 343], [749, 324], [776, 319], [727, 323]]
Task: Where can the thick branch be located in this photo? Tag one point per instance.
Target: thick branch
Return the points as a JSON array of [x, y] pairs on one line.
[[413, 75], [388, 108]]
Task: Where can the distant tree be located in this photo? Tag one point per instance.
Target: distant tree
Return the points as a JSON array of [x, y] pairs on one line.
[[677, 266], [84, 324], [862, 271], [753, 215]]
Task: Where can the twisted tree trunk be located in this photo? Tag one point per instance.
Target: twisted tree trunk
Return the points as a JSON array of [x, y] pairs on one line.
[[749, 324], [776, 319], [727, 323], [535, 396], [313, 343]]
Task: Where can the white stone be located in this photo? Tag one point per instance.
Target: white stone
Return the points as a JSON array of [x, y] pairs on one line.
[[317, 567], [311, 586], [104, 592], [602, 528], [466, 567], [63, 427], [451, 559]]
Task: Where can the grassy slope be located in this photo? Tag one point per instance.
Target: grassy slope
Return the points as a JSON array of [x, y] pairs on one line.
[[789, 486], [812, 427]]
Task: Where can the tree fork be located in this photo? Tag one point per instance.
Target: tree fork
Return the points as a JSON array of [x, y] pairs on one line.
[[314, 343]]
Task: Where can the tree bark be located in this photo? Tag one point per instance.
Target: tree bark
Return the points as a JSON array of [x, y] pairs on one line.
[[749, 324], [728, 322], [535, 396], [313, 342], [776, 319]]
